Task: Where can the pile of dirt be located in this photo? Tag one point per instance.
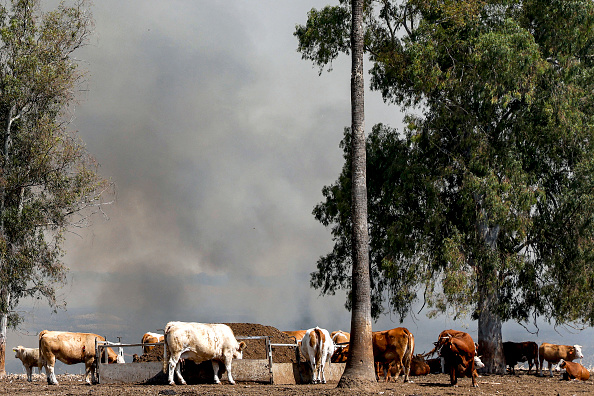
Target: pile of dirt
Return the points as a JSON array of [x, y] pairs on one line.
[[255, 348]]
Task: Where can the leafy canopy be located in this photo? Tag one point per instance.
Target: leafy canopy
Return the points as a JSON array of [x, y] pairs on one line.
[[48, 181], [490, 184]]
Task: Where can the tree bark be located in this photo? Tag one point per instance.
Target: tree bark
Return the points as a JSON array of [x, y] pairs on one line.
[[359, 368], [5, 302], [489, 323]]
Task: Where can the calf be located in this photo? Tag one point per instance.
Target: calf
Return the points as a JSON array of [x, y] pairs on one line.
[[574, 371], [418, 366], [200, 342], [393, 347], [553, 354], [515, 352], [30, 358], [317, 348]]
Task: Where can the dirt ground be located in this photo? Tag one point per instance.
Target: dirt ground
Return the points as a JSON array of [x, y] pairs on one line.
[[430, 385]]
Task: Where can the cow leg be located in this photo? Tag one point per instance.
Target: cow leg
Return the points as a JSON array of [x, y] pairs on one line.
[[550, 369], [322, 376], [453, 379], [227, 363], [174, 367], [29, 373], [88, 369], [51, 376], [215, 369], [541, 361]]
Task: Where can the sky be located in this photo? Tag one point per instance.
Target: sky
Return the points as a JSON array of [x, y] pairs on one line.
[[219, 139]]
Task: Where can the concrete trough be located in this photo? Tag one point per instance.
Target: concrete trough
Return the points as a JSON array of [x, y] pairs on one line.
[[244, 370]]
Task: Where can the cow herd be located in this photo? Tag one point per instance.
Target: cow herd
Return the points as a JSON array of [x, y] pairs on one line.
[[393, 352]]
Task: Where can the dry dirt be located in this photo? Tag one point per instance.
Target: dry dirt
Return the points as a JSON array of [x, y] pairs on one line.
[[430, 385]]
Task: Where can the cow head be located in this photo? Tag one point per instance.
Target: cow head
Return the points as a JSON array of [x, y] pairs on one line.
[[478, 362], [19, 351], [562, 364], [238, 354], [578, 351]]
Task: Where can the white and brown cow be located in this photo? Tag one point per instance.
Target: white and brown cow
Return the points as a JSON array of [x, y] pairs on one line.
[[71, 348], [200, 342], [30, 358], [553, 354], [317, 348], [151, 338], [341, 341]]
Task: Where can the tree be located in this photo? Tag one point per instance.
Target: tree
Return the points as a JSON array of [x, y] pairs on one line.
[[484, 206], [48, 181], [359, 367]]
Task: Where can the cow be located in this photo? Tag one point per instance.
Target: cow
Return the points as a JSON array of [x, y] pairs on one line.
[[200, 342], [434, 365], [418, 366], [151, 338], [515, 352], [393, 347], [574, 371], [71, 348], [297, 334], [30, 358], [341, 341], [459, 355], [553, 354], [317, 348]]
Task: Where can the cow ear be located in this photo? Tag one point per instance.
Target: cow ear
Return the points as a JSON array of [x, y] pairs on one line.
[[242, 345]]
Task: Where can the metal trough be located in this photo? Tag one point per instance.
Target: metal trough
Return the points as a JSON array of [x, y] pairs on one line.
[[244, 370]]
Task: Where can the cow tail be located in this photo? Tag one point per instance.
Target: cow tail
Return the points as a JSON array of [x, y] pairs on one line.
[[166, 352], [41, 354], [318, 350]]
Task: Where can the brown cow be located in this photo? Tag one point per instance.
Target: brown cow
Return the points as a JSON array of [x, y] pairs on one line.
[[71, 348], [341, 341], [574, 371], [459, 353], [418, 366], [515, 352], [553, 354], [298, 334], [393, 347], [151, 338]]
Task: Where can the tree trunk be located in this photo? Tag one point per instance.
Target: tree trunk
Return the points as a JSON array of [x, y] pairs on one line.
[[489, 323], [359, 370], [489, 334], [5, 302]]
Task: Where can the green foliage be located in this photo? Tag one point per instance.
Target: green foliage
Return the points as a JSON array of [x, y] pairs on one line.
[[489, 188], [46, 175]]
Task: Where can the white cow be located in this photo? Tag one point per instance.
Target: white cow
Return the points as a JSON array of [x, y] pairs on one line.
[[317, 348], [30, 358], [200, 342]]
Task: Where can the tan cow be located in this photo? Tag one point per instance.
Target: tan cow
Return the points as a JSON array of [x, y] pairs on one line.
[[553, 354], [200, 342], [71, 348], [341, 341], [151, 338], [393, 347], [574, 371], [30, 358], [298, 334]]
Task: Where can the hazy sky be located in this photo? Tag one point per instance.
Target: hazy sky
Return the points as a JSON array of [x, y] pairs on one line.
[[219, 139]]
